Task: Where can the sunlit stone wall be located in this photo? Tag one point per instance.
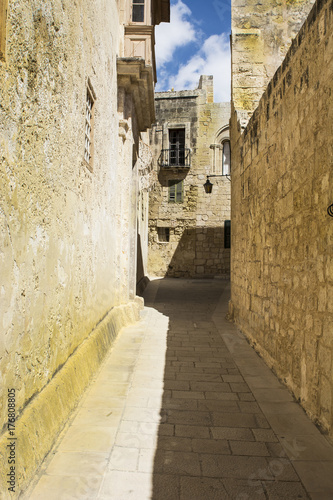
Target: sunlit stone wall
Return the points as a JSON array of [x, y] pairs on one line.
[[282, 235], [67, 229]]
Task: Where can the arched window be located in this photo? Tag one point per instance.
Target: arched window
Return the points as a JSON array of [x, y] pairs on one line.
[[226, 158], [220, 156]]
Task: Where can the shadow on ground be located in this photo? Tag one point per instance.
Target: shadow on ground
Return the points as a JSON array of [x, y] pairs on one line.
[[213, 440]]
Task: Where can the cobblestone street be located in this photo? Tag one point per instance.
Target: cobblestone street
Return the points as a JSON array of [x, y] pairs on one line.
[[183, 408]]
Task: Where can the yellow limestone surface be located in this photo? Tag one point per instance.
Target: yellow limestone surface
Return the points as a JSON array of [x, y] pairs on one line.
[[45, 416]]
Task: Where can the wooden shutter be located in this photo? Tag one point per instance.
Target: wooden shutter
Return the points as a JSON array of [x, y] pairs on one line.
[[175, 191], [172, 192], [179, 192]]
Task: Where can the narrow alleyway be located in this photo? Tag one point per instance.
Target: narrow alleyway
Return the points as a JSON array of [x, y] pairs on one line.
[[183, 408]]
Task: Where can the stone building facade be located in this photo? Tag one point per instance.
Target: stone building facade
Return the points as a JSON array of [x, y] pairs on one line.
[[189, 229], [76, 99], [282, 237]]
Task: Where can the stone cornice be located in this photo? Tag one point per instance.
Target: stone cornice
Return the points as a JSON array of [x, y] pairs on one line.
[[139, 29], [137, 80]]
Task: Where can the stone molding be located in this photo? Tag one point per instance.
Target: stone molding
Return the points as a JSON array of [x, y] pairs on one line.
[[136, 78]]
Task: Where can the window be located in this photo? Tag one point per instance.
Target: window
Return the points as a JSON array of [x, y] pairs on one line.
[[177, 146], [88, 145], [138, 11], [163, 234], [3, 20], [176, 191], [227, 233], [226, 158]]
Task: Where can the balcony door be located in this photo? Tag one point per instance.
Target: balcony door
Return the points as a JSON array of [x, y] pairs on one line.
[[177, 146]]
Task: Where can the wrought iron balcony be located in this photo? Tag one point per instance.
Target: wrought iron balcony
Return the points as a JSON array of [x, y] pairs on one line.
[[178, 158]]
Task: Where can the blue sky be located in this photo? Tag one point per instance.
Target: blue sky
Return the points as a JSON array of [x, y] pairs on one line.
[[196, 42]]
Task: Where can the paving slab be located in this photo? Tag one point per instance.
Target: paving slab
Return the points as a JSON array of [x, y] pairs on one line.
[[184, 409], [193, 488]]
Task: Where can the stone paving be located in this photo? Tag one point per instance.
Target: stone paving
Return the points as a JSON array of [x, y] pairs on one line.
[[184, 409]]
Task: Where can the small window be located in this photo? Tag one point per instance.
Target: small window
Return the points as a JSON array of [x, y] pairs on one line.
[[88, 145], [3, 22], [176, 191], [163, 234], [226, 158], [138, 11], [227, 233]]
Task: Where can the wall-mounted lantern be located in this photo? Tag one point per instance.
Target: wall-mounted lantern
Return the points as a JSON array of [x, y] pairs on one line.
[[208, 186]]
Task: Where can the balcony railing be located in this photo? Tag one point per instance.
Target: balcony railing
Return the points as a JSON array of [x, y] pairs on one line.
[[175, 158]]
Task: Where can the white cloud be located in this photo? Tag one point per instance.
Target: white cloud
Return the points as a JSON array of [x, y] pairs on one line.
[[179, 32], [212, 58]]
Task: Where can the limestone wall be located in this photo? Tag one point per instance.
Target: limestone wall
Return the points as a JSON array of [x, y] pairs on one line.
[[282, 236], [65, 227], [196, 225], [261, 35]]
